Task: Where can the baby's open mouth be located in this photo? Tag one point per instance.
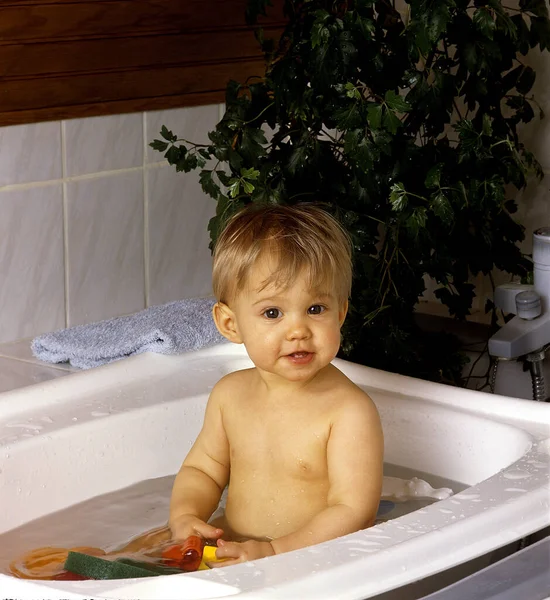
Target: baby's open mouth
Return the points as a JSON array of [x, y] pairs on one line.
[[300, 358]]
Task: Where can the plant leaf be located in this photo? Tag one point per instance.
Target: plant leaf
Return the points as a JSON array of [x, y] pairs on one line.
[[417, 221], [174, 154], [396, 102], [535, 7], [167, 134], [207, 183], [159, 145], [298, 158], [247, 186], [251, 173], [374, 115], [391, 121], [352, 91], [483, 19], [234, 187], [434, 176], [398, 197], [441, 207], [526, 80]]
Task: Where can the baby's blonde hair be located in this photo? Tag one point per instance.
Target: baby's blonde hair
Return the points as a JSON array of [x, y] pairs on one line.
[[303, 238]]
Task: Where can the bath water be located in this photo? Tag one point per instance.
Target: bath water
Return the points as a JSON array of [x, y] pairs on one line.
[[109, 520]]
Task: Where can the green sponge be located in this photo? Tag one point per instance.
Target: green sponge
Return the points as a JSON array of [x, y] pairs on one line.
[[122, 568]]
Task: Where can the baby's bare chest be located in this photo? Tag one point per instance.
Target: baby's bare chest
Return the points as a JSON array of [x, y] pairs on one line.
[[286, 445]]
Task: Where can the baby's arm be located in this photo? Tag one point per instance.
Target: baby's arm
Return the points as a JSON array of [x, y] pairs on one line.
[[202, 476], [355, 468]]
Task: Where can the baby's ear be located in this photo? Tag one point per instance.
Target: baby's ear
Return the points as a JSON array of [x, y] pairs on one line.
[[343, 312], [226, 322]]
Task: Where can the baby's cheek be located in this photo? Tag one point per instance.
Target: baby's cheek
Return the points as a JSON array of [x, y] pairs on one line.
[[260, 350]]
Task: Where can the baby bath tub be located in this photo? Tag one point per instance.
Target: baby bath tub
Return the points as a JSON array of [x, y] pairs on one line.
[[90, 433]]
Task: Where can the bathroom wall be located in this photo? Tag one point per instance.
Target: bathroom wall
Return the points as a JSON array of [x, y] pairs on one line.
[[94, 223]]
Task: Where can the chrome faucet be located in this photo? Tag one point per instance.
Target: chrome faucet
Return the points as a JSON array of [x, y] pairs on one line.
[[528, 333]]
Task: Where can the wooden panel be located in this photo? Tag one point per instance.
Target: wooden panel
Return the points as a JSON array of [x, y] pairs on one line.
[[24, 60], [147, 89], [118, 17], [109, 108], [73, 58], [103, 87]]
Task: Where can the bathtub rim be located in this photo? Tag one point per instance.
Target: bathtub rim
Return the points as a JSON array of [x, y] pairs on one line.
[[529, 415], [534, 420]]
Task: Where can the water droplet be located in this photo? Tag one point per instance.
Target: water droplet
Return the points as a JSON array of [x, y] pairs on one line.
[[31, 426], [516, 474]]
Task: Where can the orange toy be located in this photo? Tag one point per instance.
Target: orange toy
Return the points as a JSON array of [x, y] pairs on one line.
[[187, 556]]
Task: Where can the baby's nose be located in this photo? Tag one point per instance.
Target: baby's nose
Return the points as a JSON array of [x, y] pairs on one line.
[[298, 329]]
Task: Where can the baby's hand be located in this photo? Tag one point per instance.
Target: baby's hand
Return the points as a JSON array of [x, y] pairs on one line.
[[237, 552], [186, 525]]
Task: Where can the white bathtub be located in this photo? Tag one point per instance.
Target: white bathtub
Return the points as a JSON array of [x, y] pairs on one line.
[[67, 440]]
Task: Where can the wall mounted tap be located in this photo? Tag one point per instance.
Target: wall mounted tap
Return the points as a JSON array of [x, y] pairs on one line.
[[528, 333], [529, 330]]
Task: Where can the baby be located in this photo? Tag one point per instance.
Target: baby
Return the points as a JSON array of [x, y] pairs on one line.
[[298, 443]]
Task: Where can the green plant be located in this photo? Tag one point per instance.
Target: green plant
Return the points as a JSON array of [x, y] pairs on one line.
[[404, 124]]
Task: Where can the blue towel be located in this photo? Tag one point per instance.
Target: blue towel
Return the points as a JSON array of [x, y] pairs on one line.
[[170, 328]]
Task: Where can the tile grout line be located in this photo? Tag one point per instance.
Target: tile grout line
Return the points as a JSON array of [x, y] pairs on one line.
[[49, 182], [68, 369], [65, 220], [146, 240], [88, 176]]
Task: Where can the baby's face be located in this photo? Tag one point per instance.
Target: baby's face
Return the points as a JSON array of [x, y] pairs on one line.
[[290, 332]]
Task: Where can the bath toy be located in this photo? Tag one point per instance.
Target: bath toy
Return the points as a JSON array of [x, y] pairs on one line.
[[190, 556], [187, 556], [82, 563]]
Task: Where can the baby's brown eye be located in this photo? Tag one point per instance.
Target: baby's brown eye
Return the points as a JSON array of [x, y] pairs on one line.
[[272, 313], [316, 309]]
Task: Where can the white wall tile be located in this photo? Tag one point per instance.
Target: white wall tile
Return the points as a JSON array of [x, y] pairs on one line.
[[191, 123], [99, 144], [105, 239], [15, 374], [30, 153], [180, 263], [32, 292], [20, 351]]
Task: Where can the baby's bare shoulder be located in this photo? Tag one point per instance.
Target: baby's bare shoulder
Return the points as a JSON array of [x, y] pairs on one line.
[[355, 416], [350, 397], [233, 383]]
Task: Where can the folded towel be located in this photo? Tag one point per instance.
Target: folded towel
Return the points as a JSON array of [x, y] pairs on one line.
[[170, 328]]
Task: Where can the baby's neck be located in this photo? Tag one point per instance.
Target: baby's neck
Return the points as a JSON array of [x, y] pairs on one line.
[[277, 387]]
